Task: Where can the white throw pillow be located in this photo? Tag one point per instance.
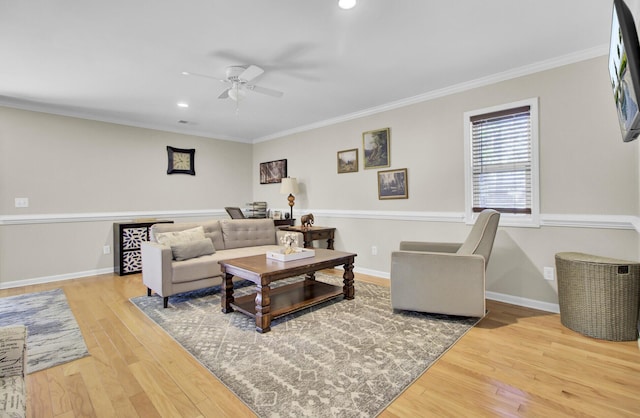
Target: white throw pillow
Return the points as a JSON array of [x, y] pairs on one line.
[[180, 237]]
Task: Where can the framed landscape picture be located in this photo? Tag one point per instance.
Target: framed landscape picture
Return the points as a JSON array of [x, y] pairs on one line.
[[376, 145], [392, 184], [273, 171], [348, 161]]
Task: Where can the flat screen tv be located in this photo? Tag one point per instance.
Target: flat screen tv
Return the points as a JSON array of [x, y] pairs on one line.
[[624, 69]]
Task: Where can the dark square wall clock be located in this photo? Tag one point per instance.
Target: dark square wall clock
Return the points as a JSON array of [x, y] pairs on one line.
[[181, 161]]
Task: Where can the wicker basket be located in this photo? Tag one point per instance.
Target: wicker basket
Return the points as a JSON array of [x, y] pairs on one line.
[[599, 297]]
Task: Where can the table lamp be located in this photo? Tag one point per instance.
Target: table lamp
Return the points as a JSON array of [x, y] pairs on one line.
[[289, 186]]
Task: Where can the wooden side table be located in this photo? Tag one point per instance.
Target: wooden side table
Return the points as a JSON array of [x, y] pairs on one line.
[[313, 233]]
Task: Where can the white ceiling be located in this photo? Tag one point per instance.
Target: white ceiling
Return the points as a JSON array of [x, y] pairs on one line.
[[121, 61]]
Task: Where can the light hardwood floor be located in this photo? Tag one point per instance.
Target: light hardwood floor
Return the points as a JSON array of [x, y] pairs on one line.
[[516, 362]]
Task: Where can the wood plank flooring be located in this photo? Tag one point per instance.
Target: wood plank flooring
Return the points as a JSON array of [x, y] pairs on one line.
[[517, 362]]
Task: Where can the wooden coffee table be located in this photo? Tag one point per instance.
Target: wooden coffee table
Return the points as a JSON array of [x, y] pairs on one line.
[[266, 304]]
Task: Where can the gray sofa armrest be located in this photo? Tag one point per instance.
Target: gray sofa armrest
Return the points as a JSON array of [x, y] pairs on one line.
[[438, 282], [436, 247], [156, 264]]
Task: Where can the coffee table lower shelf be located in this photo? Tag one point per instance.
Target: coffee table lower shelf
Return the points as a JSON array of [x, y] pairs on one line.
[[290, 298]]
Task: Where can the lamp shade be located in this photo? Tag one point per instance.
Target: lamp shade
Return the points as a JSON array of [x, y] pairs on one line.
[[289, 186]]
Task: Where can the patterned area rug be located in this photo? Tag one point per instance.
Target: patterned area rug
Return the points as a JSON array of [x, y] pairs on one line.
[[339, 359], [53, 335]]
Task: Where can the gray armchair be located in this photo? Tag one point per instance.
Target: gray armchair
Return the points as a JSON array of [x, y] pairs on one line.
[[445, 278]]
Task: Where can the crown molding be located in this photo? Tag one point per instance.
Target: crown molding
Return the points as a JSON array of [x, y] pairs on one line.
[[457, 88], [21, 104]]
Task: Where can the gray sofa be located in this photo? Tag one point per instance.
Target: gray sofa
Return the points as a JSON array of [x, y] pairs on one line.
[[13, 365], [178, 258]]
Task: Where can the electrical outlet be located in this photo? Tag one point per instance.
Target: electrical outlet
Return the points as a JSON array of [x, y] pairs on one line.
[[22, 202], [106, 249], [549, 273], [374, 250]]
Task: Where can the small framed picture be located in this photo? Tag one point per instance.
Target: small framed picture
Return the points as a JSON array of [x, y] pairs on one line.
[[273, 171], [376, 148], [392, 184], [348, 161]]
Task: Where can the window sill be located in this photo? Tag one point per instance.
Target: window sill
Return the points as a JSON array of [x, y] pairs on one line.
[[506, 219]]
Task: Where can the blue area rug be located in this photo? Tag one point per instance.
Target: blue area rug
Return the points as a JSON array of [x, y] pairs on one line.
[[54, 336]]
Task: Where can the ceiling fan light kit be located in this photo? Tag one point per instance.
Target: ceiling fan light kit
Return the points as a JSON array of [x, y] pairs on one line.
[[240, 78], [236, 93]]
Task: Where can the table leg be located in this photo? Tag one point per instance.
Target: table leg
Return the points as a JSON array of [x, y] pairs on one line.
[[348, 289], [330, 243], [263, 308], [227, 293]]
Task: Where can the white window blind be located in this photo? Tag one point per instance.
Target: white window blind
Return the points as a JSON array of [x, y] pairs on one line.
[[501, 148]]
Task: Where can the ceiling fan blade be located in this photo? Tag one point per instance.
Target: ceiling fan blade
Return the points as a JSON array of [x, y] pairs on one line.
[[250, 73], [204, 76], [264, 90], [224, 94]]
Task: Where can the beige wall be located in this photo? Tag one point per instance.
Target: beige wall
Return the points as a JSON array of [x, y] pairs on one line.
[[67, 165], [73, 167], [585, 170]]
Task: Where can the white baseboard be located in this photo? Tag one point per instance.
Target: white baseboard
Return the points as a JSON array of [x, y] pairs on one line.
[[525, 302], [499, 297], [56, 278]]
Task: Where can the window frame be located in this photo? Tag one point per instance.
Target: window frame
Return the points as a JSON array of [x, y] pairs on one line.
[[506, 219]]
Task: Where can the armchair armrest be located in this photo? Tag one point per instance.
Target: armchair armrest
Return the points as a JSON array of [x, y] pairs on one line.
[[435, 247], [156, 264], [446, 283]]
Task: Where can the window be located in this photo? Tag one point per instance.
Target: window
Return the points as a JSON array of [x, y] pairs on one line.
[[501, 146]]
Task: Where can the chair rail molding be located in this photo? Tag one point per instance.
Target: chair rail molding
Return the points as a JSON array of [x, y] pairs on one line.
[[546, 220], [52, 218]]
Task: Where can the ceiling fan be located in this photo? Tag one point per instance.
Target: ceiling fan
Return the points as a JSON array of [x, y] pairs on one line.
[[239, 78]]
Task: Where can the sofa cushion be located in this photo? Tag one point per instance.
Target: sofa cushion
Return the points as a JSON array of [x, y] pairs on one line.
[[198, 268], [207, 266], [180, 237], [248, 232], [192, 249], [212, 230]]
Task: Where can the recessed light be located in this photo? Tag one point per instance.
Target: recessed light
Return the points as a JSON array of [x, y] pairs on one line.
[[182, 104], [346, 4]]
